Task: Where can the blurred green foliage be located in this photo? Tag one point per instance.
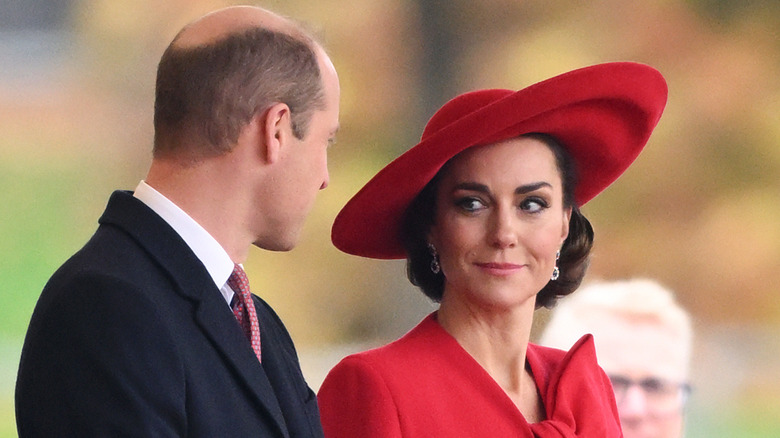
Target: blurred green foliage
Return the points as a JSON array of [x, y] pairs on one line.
[[36, 238]]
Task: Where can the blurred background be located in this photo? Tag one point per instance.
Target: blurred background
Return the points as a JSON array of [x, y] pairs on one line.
[[698, 210]]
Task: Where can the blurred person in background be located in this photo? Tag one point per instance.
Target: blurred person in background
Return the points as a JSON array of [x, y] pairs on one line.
[[150, 330], [643, 342], [486, 210]]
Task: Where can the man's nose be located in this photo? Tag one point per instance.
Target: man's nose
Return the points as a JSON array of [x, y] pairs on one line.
[[634, 402]]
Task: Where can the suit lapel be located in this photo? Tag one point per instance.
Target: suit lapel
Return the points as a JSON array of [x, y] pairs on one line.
[[188, 273], [220, 326], [282, 367]]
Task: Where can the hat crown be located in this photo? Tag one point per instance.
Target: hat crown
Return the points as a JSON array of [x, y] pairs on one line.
[[461, 106]]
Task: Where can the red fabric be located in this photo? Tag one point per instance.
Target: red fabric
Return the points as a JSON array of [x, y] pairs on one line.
[[603, 115], [426, 385], [244, 308]]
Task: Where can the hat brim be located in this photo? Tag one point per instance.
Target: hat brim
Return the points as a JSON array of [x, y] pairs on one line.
[[603, 115]]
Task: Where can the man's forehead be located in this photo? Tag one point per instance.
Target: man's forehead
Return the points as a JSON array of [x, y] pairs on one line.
[[645, 349]]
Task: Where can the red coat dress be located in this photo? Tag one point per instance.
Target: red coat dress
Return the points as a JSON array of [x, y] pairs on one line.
[[426, 385]]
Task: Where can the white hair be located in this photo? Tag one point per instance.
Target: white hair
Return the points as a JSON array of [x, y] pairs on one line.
[[635, 301]]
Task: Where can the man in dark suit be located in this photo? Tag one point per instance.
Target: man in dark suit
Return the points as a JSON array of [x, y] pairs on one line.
[[134, 335]]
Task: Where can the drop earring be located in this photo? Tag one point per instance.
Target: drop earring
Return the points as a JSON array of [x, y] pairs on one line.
[[435, 267], [556, 272]]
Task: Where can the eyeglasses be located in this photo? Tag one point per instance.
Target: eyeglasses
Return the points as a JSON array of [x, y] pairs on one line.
[[660, 394]]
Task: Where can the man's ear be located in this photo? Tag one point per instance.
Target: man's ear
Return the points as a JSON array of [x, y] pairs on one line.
[[277, 131]]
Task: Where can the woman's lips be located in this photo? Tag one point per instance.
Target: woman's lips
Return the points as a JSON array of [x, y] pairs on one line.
[[501, 269]]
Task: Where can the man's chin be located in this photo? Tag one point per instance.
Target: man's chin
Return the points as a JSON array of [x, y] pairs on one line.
[[278, 244]]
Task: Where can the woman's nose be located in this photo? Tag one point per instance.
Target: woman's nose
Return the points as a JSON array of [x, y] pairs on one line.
[[503, 233]]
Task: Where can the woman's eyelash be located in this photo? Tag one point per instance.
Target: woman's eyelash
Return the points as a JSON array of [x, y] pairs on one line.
[[526, 203], [469, 203]]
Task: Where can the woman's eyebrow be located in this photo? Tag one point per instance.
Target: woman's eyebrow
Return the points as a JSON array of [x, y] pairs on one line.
[[472, 186], [525, 188]]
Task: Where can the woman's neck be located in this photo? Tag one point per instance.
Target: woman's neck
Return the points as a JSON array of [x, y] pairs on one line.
[[497, 338]]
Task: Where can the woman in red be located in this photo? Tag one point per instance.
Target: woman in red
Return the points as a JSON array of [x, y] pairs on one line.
[[486, 211]]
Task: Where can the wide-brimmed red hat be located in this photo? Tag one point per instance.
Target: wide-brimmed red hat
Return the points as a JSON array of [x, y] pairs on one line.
[[603, 115]]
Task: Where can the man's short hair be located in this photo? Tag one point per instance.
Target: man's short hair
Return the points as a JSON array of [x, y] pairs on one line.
[[207, 94]]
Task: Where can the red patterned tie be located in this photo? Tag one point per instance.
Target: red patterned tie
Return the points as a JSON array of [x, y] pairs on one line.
[[244, 308]]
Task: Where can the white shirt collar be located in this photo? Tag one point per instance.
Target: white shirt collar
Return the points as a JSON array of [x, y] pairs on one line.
[[206, 248]]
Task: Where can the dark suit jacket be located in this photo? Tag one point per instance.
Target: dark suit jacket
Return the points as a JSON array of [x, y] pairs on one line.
[[131, 337]]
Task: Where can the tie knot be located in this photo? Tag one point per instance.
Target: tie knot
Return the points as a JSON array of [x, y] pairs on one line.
[[238, 281]]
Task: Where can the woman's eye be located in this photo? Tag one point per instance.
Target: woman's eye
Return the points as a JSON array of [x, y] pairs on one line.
[[533, 205], [470, 204]]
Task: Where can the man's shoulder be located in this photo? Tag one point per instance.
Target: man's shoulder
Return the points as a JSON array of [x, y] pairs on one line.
[[114, 252]]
